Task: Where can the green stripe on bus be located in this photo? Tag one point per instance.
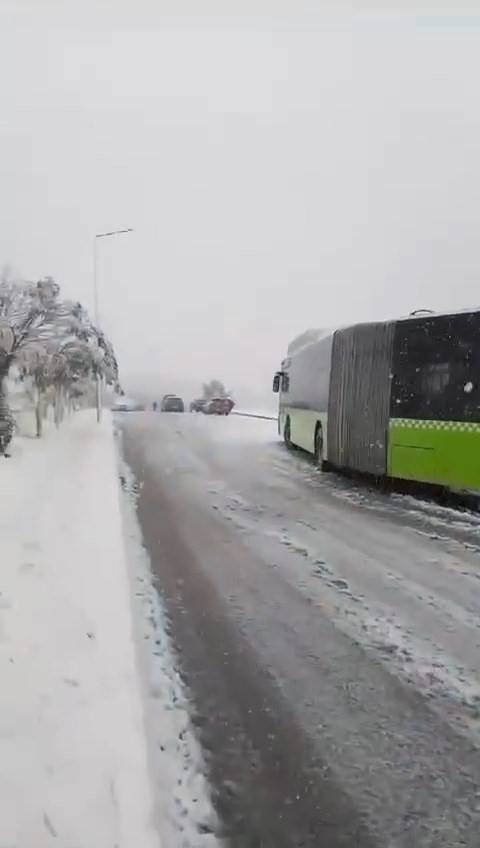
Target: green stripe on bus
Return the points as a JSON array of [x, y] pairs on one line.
[[442, 452]]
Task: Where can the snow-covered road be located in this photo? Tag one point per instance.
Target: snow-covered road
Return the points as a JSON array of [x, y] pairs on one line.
[[329, 633]]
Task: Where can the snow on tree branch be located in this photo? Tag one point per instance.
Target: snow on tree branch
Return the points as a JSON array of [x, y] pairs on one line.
[[50, 340]]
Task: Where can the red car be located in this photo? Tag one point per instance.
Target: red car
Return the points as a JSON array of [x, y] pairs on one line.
[[219, 406]]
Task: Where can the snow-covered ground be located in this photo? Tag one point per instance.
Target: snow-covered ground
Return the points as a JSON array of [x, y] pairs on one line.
[[267, 414], [74, 764]]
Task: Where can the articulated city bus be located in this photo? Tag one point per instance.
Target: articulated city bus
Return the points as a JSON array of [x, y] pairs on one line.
[[398, 398]]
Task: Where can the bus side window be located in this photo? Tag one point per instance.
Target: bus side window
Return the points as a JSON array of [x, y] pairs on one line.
[[434, 379], [435, 369]]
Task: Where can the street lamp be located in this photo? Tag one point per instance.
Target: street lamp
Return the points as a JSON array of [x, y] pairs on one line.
[[95, 272], [95, 301]]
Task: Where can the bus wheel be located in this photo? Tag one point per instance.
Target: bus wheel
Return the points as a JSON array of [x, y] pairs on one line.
[[286, 435], [318, 445]]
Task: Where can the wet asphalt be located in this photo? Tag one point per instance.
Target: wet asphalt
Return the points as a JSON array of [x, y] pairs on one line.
[[311, 736]]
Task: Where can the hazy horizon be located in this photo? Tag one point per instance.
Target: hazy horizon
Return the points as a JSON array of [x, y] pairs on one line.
[[284, 167]]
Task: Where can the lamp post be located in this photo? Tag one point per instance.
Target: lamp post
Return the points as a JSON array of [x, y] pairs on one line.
[[95, 300], [95, 270]]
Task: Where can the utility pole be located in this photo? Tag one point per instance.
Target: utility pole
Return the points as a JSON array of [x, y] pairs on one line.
[[96, 303]]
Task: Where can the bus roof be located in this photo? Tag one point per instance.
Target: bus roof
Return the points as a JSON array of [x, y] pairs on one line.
[[313, 335], [308, 337]]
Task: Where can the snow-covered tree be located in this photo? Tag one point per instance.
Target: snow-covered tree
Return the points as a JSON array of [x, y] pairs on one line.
[[52, 342]]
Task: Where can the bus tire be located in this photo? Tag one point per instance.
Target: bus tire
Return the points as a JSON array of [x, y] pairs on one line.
[[318, 445], [287, 434]]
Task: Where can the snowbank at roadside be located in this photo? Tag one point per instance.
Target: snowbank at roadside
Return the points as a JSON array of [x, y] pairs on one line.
[[255, 413], [73, 754]]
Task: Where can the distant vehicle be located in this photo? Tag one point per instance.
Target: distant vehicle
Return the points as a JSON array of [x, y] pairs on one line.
[[125, 404], [198, 405], [172, 403], [219, 406]]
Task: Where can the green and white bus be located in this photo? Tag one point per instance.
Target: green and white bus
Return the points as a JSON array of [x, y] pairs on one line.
[[398, 399]]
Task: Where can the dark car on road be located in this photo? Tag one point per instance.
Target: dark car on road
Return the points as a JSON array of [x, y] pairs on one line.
[[198, 405], [172, 403]]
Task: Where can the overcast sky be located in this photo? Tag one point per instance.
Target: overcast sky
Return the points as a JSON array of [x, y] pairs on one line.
[[285, 165]]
